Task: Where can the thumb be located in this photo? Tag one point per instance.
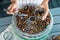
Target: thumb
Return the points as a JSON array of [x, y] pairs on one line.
[[45, 15]]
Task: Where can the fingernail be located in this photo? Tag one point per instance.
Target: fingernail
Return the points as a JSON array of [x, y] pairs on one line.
[[43, 18]]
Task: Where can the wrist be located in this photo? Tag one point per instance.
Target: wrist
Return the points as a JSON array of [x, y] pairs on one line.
[[13, 1], [45, 2]]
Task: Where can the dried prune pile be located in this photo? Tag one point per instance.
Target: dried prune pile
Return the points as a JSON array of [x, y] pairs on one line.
[[34, 24], [54, 38]]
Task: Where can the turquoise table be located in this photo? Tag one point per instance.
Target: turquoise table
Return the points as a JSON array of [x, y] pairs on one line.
[[5, 22]]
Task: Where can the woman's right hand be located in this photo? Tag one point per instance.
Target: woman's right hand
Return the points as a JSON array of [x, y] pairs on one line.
[[12, 7]]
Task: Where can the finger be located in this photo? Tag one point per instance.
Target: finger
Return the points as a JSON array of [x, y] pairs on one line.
[[10, 12], [13, 8], [45, 15], [10, 7]]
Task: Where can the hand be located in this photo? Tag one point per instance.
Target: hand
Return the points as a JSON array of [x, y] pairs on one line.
[[12, 8], [44, 5], [46, 8]]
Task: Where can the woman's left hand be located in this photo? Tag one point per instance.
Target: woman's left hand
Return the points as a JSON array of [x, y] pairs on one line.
[[46, 8], [44, 5]]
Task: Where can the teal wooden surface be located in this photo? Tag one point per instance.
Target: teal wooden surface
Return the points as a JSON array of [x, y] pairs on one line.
[[56, 28], [3, 28], [56, 19], [6, 20], [55, 11]]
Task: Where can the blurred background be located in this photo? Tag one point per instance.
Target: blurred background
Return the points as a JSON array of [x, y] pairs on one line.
[[6, 3]]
